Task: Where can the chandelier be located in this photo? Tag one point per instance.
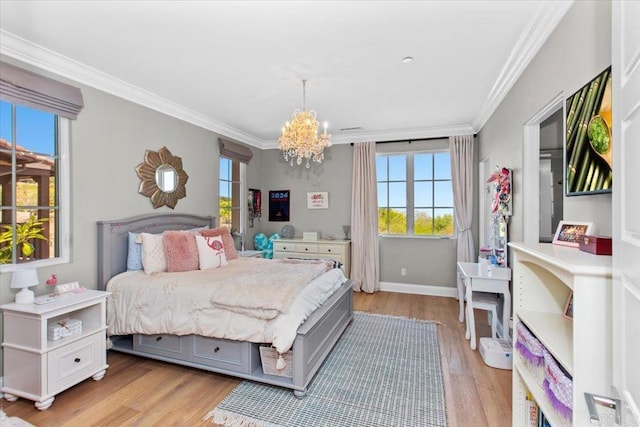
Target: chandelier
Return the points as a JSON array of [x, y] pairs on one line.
[[300, 140]]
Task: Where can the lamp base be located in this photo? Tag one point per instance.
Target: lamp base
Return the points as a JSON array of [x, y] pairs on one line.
[[25, 296]]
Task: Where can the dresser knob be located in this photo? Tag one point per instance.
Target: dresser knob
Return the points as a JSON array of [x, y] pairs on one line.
[[217, 349], [328, 250], [77, 360], [158, 338]]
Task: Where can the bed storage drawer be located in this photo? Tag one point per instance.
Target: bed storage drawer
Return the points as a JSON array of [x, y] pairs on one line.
[[162, 345], [221, 353]]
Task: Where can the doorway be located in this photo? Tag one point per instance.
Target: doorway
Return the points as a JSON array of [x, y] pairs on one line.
[[551, 177], [531, 168]]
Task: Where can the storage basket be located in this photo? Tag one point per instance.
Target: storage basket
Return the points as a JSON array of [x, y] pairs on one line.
[[64, 328], [269, 359], [532, 352]]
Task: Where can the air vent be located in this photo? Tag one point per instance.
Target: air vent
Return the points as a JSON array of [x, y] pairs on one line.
[[351, 128]]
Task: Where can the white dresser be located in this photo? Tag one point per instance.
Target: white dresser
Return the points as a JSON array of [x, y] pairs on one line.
[[38, 368], [338, 250]]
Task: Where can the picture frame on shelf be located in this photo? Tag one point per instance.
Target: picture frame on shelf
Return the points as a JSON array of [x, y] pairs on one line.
[[569, 233], [568, 307]]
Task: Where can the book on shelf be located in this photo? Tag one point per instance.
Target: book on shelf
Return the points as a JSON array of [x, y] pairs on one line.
[[531, 412]]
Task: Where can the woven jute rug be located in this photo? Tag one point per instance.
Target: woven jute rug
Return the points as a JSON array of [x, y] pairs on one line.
[[384, 371]]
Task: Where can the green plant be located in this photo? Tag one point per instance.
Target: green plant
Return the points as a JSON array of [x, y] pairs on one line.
[[29, 230]]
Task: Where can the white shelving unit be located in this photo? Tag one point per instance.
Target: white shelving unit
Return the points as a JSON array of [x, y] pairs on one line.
[[38, 368], [543, 277]]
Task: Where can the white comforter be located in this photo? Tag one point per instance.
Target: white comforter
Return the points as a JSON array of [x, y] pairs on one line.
[[248, 300]]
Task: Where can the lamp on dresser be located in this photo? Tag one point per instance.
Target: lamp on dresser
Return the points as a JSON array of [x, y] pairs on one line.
[[23, 279]]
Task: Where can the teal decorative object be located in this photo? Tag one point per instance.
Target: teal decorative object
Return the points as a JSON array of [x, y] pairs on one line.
[[260, 241]]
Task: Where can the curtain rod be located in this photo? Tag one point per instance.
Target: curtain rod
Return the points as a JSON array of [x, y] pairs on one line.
[[415, 140]]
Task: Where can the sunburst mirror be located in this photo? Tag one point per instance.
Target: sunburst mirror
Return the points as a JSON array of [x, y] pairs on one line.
[[162, 178]]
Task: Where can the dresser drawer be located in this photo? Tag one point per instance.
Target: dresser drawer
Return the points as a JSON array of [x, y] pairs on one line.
[[221, 353], [336, 250], [70, 364], [162, 345], [307, 248], [284, 247]]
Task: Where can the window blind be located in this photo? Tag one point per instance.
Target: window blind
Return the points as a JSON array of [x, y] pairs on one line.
[[234, 151], [33, 90]]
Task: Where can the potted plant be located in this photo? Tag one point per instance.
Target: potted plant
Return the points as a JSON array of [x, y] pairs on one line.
[[26, 232]]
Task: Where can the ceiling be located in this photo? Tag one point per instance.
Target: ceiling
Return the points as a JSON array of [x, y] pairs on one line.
[[235, 67]]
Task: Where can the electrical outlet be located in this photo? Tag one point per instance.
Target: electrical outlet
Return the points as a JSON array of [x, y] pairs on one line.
[[403, 271]]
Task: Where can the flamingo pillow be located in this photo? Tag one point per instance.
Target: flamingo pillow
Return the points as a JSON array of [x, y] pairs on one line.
[[211, 252]]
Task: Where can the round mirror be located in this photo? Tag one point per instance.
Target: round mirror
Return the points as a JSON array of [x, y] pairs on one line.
[[166, 178]]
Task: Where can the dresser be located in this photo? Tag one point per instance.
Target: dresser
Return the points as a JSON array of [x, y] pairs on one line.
[[39, 364], [337, 250]]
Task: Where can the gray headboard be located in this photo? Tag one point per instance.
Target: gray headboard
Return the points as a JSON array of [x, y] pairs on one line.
[[113, 238]]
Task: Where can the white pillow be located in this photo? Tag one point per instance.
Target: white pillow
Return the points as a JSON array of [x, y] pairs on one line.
[[211, 252], [153, 258]]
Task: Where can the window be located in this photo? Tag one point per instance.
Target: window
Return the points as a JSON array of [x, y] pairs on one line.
[[231, 187], [415, 195], [33, 147]]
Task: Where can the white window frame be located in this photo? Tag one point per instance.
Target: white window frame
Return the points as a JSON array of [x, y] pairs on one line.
[[410, 205], [64, 199], [243, 193]]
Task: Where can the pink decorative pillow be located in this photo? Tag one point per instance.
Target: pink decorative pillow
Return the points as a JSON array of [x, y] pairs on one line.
[[211, 253], [227, 240], [181, 251]]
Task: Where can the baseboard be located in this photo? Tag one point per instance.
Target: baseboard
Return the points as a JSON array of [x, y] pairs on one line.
[[409, 288]]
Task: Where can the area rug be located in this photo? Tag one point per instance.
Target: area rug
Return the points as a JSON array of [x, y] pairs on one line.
[[384, 371]]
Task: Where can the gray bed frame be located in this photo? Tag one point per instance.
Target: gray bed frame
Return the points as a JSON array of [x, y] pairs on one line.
[[314, 341]]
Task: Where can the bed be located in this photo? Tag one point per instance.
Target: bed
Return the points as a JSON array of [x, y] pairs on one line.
[[313, 340]]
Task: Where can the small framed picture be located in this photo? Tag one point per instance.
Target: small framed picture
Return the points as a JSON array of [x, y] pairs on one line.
[[569, 233], [568, 307]]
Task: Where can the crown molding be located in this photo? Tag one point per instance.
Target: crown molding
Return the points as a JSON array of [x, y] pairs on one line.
[[531, 40], [392, 135], [35, 55]]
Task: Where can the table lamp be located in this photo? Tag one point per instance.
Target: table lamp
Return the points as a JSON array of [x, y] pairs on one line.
[[22, 279]]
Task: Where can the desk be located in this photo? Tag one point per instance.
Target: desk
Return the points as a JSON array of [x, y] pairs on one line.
[[479, 278]]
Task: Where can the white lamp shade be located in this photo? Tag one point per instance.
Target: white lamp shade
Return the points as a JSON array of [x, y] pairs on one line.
[[22, 279]]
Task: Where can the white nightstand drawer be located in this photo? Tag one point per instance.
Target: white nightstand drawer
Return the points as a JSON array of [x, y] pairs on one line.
[[73, 363]]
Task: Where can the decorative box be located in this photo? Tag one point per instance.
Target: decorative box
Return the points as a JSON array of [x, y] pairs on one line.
[[310, 235], [64, 328], [599, 245], [269, 358]]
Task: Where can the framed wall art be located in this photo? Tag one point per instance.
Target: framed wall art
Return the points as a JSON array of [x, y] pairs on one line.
[[589, 167], [569, 233], [279, 205], [318, 200]]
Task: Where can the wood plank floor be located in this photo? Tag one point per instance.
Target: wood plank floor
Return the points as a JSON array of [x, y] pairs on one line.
[[143, 392]]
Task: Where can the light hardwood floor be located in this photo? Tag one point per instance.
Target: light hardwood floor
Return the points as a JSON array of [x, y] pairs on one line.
[[143, 392]]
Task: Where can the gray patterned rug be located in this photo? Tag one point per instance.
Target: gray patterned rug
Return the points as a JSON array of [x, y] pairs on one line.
[[384, 371]]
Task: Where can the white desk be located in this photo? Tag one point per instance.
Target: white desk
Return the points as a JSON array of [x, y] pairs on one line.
[[479, 278]]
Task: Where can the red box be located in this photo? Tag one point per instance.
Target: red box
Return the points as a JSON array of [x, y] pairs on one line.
[[599, 245]]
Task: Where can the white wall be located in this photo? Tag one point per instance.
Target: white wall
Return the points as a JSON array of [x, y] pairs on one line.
[[578, 50]]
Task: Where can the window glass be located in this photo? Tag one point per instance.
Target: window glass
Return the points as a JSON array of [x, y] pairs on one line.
[[229, 197], [29, 184], [416, 200]]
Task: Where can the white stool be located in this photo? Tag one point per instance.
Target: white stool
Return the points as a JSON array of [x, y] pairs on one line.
[[484, 301]]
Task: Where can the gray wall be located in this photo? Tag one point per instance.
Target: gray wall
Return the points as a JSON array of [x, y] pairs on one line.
[[108, 141], [578, 50]]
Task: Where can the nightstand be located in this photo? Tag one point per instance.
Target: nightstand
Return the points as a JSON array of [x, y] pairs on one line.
[[37, 368]]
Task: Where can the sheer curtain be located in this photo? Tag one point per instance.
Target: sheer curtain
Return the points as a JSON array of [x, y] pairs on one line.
[[365, 272], [461, 148]]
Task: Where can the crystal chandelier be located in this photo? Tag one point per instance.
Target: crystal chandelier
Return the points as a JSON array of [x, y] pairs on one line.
[[300, 140]]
